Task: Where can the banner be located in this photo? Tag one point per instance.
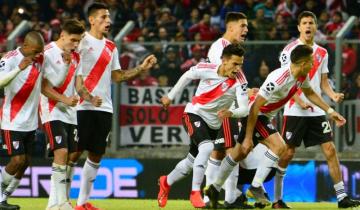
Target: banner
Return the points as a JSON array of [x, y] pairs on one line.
[[305, 181], [350, 133], [143, 121]]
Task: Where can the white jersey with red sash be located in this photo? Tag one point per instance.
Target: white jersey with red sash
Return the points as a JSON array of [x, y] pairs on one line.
[[216, 49], [62, 78], [214, 93], [98, 59], [278, 88], [22, 94], [320, 67]]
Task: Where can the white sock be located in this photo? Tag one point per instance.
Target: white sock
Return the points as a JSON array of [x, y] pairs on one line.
[[226, 167], [279, 183], [181, 170], [89, 173], [70, 168], [230, 185], [211, 173], [264, 168], [59, 174], [340, 191], [52, 195], [212, 170], [6, 179], [200, 164], [14, 184]]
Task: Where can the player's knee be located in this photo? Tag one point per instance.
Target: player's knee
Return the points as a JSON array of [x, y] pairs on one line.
[[18, 161]]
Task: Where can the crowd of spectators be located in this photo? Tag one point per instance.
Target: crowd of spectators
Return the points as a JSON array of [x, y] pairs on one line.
[[170, 23]]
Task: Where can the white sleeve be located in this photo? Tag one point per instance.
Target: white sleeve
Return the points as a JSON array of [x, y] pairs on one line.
[[268, 88], [214, 55], [324, 65], [7, 72], [185, 79], [284, 58], [242, 101], [115, 63]]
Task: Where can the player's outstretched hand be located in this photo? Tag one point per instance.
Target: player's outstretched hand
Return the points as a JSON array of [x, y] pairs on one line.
[[339, 120], [149, 62], [165, 101], [96, 101], [25, 62], [338, 97], [224, 113], [72, 101]]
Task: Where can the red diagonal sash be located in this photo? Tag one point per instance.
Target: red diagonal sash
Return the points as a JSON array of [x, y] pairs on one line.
[[273, 106], [214, 93], [99, 68], [23, 94], [318, 58], [74, 63]]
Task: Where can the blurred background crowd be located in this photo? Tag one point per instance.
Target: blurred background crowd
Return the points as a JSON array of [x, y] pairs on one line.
[[179, 32]]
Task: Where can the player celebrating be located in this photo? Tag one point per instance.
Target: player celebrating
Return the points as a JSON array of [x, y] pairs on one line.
[[58, 112], [220, 85], [236, 30], [20, 75], [100, 64], [299, 115], [277, 89]]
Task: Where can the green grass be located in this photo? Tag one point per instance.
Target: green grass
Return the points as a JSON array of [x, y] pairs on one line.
[[137, 204]]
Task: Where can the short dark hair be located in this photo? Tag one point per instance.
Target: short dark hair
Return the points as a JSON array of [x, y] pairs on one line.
[[234, 16], [233, 49], [73, 26], [95, 7], [306, 14], [300, 52]]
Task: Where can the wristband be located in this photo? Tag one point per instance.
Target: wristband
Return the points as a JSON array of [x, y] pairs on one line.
[[330, 110]]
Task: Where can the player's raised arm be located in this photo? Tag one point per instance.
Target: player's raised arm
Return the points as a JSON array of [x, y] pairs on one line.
[[7, 73], [122, 75]]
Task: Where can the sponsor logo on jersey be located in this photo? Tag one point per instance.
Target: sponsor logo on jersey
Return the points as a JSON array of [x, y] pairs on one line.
[[271, 126], [197, 124]]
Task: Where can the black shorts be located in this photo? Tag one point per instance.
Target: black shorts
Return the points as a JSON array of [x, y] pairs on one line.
[[247, 175], [312, 130], [228, 134], [198, 131], [93, 130], [263, 129], [18, 142], [61, 135]]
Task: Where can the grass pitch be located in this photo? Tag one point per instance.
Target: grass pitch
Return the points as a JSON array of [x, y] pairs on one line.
[[137, 204]]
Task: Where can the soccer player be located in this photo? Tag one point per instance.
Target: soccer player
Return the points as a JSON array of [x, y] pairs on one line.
[[58, 112], [220, 85], [100, 65], [300, 113], [277, 89], [236, 30], [20, 75]]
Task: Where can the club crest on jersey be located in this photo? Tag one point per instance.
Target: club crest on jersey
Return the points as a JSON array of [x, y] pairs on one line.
[[224, 86], [288, 134], [16, 144], [58, 139], [197, 124], [270, 86], [271, 126]]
